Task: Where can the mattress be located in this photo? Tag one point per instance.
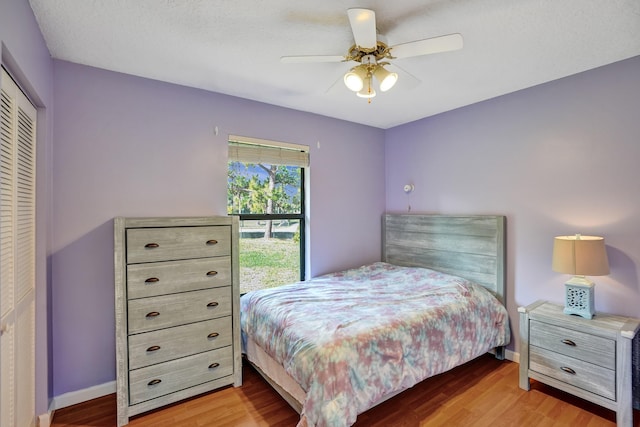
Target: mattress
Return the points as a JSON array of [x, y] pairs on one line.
[[350, 338]]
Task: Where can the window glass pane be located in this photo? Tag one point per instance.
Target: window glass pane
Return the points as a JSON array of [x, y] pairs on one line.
[[266, 263], [263, 189], [270, 203]]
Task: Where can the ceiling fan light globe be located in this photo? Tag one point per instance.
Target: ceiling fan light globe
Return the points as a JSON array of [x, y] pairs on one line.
[[386, 79], [388, 82], [365, 93], [354, 79]]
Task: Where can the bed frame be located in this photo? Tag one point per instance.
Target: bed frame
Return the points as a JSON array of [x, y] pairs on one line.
[[471, 246]]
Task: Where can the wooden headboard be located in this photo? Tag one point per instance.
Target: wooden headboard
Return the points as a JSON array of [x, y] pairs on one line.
[[472, 246]]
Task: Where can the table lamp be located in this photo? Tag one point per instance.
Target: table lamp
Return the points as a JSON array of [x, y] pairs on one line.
[[581, 256]]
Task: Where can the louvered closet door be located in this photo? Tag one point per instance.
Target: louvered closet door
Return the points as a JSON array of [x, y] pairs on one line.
[[17, 256]]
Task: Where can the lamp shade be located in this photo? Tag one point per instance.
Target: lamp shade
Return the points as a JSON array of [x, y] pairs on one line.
[[580, 255]]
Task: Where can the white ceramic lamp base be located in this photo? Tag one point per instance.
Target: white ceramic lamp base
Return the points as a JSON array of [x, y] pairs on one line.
[[579, 297]]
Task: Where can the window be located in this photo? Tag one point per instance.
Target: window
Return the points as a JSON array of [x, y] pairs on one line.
[[265, 188]]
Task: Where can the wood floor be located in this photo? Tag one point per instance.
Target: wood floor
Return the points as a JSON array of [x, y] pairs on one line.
[[484, 392]]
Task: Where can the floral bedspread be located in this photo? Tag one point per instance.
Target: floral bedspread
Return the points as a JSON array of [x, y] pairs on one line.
[[351, 337]]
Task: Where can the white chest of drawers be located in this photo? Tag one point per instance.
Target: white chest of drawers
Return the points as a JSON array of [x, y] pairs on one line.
[[177, 310], [589, 358]]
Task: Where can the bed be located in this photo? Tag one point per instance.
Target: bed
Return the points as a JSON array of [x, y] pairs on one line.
[[339, 344]]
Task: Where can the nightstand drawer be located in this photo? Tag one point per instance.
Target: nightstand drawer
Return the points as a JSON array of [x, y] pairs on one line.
[[161, 278], [587, 376], [173, 243], [148, 314], [172, 343], [589, 348], [158, 380]]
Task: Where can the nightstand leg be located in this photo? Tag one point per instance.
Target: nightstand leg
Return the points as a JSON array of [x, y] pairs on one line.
[[624, 414], [524, 382]]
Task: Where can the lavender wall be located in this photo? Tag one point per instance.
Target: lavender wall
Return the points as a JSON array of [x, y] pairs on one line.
[[559, 158], [127, 146], [25, 55]]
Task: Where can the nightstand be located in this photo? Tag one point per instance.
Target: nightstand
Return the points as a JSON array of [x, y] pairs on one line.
[[589, 358]]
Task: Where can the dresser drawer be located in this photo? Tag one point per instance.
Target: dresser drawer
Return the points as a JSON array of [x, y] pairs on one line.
[[173, 243], [587, 376], [148, 314], [579, 345], [172, 343], [160, 278], [164, 378]]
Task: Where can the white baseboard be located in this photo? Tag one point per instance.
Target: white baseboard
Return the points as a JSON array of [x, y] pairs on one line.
[[512, 356], [44, 420], [509, 355], [79, 396]]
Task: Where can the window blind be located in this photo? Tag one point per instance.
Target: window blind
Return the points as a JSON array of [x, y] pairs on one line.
[[252, 150]]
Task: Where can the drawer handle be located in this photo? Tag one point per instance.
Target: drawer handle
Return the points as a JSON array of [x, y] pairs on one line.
[[212, 304], [569, 342], [154, 348], [212, 273], [212, 242], [154, 382], [152, 245], [568, 370], [214, 365], [152, 280], [153, 314], [213, 335]]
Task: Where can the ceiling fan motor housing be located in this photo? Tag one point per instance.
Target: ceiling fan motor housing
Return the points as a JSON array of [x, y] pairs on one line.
[[356, 53]]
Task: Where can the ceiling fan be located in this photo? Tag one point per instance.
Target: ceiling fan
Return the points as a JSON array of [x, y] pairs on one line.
[[373, 54]]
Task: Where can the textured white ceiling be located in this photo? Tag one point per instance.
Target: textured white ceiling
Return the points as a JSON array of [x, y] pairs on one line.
[[234, 47]]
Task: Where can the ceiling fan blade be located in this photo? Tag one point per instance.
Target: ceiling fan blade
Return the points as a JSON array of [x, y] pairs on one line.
[[406, 80], [427, 46], [311, 58], [363, 25]]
